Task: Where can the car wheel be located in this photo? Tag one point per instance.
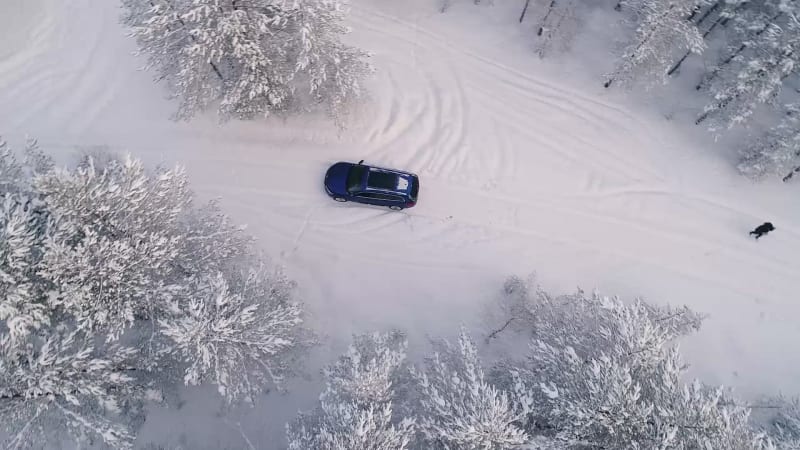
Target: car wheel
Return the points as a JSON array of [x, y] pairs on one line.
[[340, 199], [396, 208]]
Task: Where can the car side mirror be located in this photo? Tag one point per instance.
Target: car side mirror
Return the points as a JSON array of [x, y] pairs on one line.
[[360, 162]]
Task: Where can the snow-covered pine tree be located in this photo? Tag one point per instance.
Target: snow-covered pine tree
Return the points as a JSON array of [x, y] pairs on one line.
[[358, 409], [662, 30], [607, 374], [460, 408], [777, 153], [250, 57], [58, 379], [772, 58], [236, 333]]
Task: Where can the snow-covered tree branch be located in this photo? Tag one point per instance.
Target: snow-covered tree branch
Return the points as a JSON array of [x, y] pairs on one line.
[[58, 376], [598, 373], [662, 29], [115, 235], [107, 252], [236, 334], [768, 58], [460, 408], [777, 153], [608, 374], [358, 409], [249, 57], [22, 297]]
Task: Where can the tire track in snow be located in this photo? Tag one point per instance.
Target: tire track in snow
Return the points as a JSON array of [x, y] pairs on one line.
[[560, 143], [501, 212], [646, 245], [537, 93], [437, 142], [526, 87], [559, 92]]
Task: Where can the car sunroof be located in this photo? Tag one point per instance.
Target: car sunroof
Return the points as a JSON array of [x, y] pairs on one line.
[[379, 179]]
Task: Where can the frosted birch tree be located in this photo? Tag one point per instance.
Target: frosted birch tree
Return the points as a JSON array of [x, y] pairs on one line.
[[249, 58], [662, 29]]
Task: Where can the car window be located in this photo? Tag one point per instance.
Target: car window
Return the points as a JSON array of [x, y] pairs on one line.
[[379, 179], [376, 196], [354, 178]]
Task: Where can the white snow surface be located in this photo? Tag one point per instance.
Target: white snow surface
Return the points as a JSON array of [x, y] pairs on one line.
[[524, 165]]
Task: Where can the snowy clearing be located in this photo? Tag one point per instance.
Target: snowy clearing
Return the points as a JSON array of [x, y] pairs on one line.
[[520, 170]]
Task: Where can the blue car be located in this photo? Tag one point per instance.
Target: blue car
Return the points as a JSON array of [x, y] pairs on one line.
[[348, 182]]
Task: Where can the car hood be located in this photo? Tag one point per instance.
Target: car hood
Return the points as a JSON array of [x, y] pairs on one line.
[[336, 178]]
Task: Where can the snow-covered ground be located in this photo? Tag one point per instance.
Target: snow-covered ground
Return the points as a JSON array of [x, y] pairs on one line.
[[524, 166]]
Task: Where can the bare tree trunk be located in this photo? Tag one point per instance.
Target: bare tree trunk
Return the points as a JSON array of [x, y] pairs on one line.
[[524, 10], [694, 12], [702, 118], [725, 102], [677, 65], [494, 333], [720, 106], [714, 73], [544, 19], [445, 5], [708, 12], [686, 55], [793, 171], [635, 51], [719, 20], [791, 174]]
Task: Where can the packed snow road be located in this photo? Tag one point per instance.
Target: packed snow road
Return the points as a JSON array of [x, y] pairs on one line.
[[519, 170]]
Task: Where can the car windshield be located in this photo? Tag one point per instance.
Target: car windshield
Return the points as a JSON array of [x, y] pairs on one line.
[[382, 180], [354, 178]]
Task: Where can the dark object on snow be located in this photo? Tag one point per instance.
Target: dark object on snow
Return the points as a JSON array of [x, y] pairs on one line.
[[764, 228]]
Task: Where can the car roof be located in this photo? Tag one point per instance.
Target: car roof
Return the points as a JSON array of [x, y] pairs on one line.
[[388, 180], [384, 169]]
